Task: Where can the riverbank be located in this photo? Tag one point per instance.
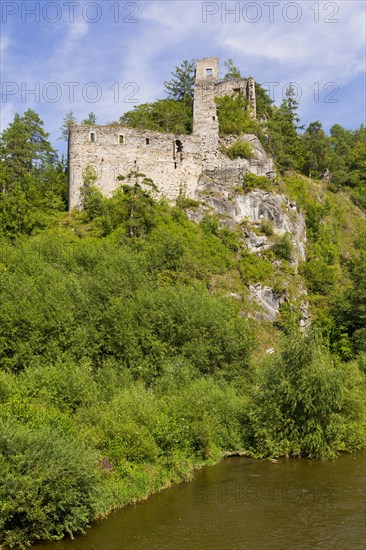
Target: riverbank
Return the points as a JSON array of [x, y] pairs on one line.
[[300, 502], [126, 363]]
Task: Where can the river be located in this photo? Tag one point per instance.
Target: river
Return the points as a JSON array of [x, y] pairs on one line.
[[242, 504]]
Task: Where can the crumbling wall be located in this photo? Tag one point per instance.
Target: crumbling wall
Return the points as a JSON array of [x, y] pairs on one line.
[[174, 162], [156, 155]]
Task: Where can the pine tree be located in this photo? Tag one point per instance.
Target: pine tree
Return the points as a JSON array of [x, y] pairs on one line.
[[92, 119], [68, 120], [232, 72], [181, 86], [24, 148]]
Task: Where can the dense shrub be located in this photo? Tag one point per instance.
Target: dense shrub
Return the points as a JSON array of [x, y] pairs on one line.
[[252, 181], [239, 149], [305, 404], [49, 484]]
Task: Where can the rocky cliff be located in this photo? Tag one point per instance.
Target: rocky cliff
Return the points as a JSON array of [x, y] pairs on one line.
[[265, 221]]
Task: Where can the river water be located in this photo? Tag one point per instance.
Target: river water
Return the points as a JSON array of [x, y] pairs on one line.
[[241, 504]]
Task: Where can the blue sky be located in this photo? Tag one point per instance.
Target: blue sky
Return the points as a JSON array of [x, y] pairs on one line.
[[106, 56]]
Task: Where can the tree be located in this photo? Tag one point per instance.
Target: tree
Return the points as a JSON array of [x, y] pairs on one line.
[[24, 148], [68, 120], [303, 404], [32, 177], [284, 140], [348, 161], [138, 203], [92, 119], [165, 115], [232, 72], [181, 86], [317, 150], [263, 102], [234, 116]]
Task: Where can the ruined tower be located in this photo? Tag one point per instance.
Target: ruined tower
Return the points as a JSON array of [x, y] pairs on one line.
[[174, 162], [204, 108]]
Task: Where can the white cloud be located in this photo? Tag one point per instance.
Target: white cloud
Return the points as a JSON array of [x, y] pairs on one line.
[[168, 32]]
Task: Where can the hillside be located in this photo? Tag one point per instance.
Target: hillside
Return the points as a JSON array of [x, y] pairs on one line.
[[142, 339]]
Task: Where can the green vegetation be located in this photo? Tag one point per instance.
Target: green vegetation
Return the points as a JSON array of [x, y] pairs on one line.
[[165, 115], [126, 356], [252, 181], [235, 117], [302, 400], [174, 114], [239, 149]]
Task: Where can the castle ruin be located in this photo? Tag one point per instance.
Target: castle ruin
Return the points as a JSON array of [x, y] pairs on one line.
[[174, 162]]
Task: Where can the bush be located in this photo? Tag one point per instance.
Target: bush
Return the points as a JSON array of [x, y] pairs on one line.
[[305, 404], [49, 485], [252, 181], [254, 269], [235, 117], [284, 247], [239, 149]]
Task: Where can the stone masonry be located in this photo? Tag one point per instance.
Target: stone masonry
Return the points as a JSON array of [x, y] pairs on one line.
[[174, 162]]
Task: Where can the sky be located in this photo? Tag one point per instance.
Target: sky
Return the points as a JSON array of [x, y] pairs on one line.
[[107, 56]]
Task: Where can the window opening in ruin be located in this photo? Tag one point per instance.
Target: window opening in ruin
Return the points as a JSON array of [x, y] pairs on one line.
[[147, 141], [213, 118], [175, 165], [179, 145], [121, 138], [92, 137], [209, 72], [236, 90]]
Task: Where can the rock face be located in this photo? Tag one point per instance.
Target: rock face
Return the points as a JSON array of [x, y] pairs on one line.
[[252, 211], [268, 299], [257, 206]]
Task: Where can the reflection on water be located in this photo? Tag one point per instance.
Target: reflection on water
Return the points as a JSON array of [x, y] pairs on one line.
[[241, 504]]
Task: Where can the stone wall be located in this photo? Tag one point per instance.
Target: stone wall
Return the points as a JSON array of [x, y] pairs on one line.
[[174, 162]]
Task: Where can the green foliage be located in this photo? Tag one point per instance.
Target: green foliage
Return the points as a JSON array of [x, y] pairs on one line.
[[348, 161], [284, 141], [266, 227], [125, 365], [91, 196], [284, 247], [235, 117], [48, 487], [253, 269], [232, 72], [33, 184], [68, 121], [186, 202], [350, 308], [165, 115], [317, 150], [319, 275], [239, 149], [91, 119], [305, 404], [181, 86], [263, 102], [252, 181]]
